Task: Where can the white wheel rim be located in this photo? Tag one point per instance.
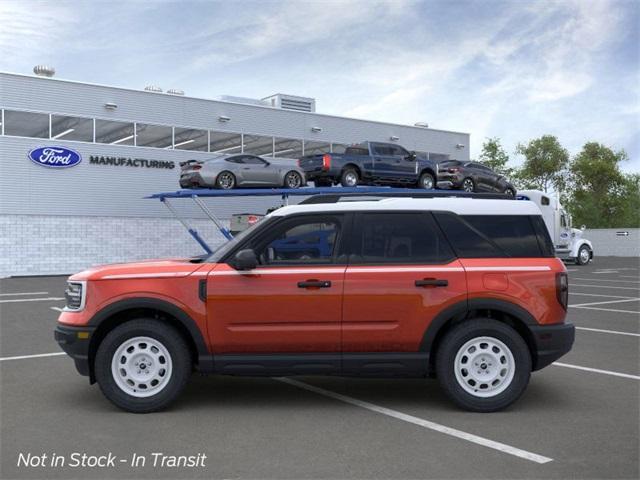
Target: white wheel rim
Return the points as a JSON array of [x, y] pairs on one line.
[[584, 255], [427, 183], [351, 179], [484, 367], [141, 367], [467, 186]]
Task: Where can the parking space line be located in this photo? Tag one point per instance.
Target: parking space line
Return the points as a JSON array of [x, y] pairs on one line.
[[605, 286], [597, 370], [628, 276], [596, 295], [24, 357], [485, 442], [610, 310], [606, 280], [616, 332], [605, 302], [16, 300], [22, 293], [57, 309]]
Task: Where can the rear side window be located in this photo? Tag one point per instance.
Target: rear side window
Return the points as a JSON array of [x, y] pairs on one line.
[[400, 238], [356, 151], [514, 234], [544, 240], [467, 241]]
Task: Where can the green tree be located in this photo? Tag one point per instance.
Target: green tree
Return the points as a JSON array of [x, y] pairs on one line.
[[495, 157], [544, 165], [601, 196]]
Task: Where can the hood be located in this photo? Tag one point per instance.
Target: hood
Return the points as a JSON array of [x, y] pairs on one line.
[[144, 269], [576, 233]]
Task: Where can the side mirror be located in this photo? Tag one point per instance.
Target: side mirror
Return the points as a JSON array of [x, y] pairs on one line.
[[245, 260], [412, 156], [583, 228]]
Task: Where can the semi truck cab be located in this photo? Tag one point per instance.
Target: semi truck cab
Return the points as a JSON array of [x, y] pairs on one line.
[[568, 241]]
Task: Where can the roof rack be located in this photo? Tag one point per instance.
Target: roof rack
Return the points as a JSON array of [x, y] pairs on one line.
[[408, 193]]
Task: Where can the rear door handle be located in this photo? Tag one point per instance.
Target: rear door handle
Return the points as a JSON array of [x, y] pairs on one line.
[[432, 282], [315, 284]]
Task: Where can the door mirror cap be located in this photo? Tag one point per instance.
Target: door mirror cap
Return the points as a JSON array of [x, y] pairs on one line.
[[245, 260]]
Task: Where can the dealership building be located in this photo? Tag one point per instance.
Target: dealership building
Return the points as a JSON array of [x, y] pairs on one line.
[[129, 144]]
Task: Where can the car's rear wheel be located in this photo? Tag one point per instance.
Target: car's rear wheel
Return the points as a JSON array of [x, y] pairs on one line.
[[293, 179], [426, 181], [349, 178], [468, 185], [483, 365], [142, 365], [509, 191], [226, 180]]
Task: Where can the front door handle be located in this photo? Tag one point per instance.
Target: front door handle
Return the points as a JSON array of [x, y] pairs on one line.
[[315, 284], [432, 282]]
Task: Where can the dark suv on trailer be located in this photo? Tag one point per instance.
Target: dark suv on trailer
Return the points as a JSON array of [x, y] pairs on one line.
[[472, 177]]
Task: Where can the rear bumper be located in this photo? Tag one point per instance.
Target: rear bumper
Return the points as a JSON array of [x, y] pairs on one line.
[[75, 343], [551, 342], [191, 180]]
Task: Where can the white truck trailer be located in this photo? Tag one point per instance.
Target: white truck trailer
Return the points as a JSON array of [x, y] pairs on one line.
[[567, 240]]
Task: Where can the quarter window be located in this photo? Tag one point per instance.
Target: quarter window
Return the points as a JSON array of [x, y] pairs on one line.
[[400, 238]]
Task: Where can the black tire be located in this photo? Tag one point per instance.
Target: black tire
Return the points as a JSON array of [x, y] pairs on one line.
[[322, 182], [427, 181], [288, 178], [468, 185], [348, 176], [465, 332], [179, 361], [509, 191], [584, 255], [225, 180]]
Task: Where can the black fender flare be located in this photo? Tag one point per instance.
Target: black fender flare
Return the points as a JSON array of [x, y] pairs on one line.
[[163, 306], [460, 310]]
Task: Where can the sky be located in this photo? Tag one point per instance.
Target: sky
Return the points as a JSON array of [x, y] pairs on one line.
[[514, 70]]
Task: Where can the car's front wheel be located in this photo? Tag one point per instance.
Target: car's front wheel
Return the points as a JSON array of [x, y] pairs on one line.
[[142, 365], [509, 191], [483, 365], [584, 255]]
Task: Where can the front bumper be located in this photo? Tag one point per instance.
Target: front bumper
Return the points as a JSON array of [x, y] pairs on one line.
[[75, 343], [551, 342]]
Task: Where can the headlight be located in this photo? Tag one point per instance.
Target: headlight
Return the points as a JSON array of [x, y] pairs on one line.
[[75, 294]]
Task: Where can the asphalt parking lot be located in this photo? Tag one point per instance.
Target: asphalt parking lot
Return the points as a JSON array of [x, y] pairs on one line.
[[578, 419]]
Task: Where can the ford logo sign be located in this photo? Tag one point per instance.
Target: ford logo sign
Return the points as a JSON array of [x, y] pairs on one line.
[[55, 157]]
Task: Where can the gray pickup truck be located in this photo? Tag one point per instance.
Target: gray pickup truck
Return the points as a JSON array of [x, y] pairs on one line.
[[371, 163]]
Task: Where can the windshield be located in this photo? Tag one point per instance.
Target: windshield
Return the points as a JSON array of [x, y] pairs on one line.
[[226, 247]]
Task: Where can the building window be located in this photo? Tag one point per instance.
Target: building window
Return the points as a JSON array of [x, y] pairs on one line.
[[157, 136], [287, 148], [114, 133], [190, 139], [26, 124], [315, 148], [225, 142], [258, 145], [71, 128]]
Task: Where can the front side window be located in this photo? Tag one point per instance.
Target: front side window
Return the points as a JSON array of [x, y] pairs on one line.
[[400, 238], [302, 241]]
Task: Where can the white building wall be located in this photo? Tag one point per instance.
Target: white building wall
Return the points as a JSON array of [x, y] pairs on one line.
[[612, 241]]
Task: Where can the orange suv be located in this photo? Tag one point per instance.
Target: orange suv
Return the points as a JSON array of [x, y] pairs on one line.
[[464, 289]]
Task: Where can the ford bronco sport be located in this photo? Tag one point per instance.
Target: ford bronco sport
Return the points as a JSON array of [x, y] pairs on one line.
[[464, 289]]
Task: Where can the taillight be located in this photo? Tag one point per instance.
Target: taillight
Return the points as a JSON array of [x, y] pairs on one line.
[[326, 161], [299, 162], [562, 289], [196, 167], [453, 170]]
